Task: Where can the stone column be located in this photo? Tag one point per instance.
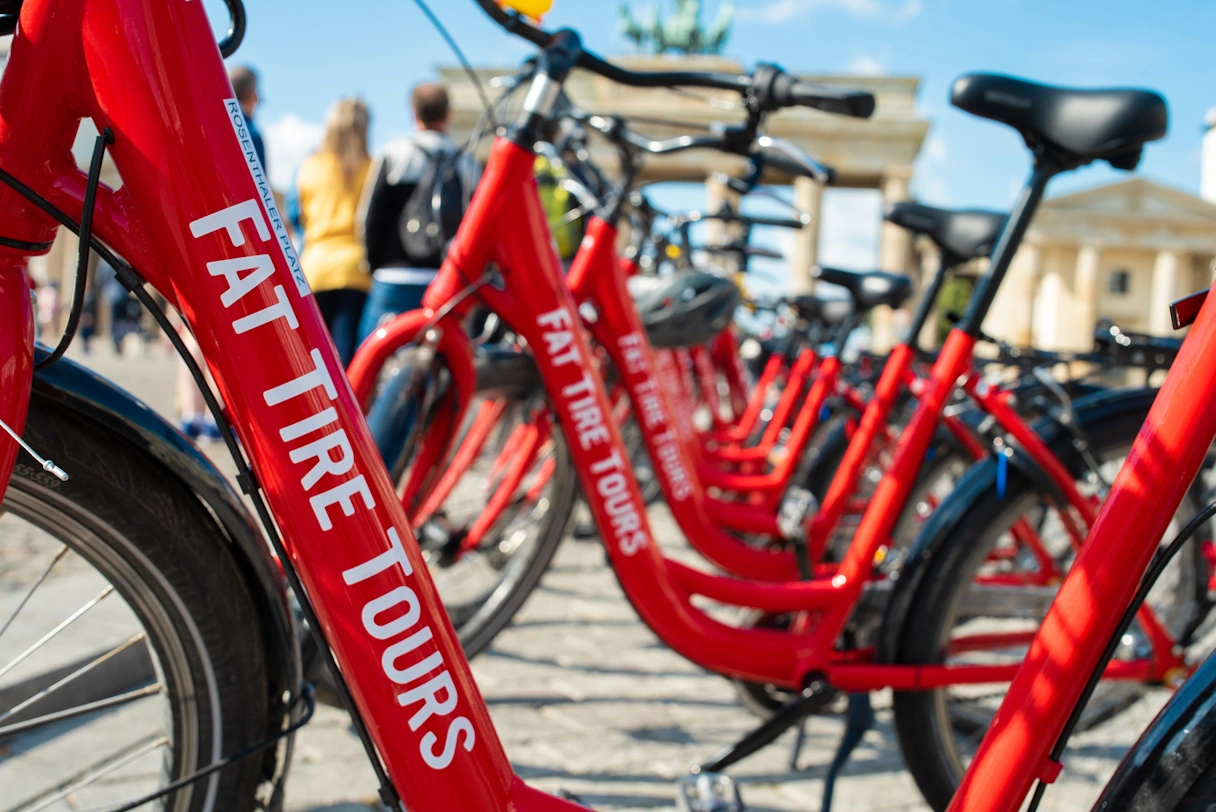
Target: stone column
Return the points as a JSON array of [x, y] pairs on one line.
[[717, 193], [894, 249], [1047, 306], [1085, 296], [1012, 316], [1164, 291], [930, 267], [808, 197]]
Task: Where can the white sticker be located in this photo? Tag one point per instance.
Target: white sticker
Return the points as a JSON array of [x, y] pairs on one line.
[[260, 180]]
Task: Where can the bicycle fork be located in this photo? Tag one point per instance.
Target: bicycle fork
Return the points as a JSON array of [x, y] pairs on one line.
[[16, 358]]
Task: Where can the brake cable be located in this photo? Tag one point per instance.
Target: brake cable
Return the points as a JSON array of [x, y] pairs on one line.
[[464, 63], [310, 706], [80, 286]]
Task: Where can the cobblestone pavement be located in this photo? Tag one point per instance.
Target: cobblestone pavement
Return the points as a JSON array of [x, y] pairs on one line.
[[586, 699]]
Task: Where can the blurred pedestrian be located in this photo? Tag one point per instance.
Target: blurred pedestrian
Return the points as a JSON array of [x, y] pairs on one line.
[[330, 185], [421, 188], [49, 308], [124, 308], [193, 419], [245, 84]]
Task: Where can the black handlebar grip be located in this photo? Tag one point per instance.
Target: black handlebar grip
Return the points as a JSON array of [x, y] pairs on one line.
[[789, 92]]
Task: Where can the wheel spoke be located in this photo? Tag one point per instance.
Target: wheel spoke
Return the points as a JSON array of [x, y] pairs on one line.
[[78, 672], [102, 595], [81, 710], [83, 779], [26, 597]]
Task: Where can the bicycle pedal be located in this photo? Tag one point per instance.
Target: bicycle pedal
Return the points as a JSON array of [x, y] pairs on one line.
[[708, 792]]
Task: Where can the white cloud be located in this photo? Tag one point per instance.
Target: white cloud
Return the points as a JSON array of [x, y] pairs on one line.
[[866, 65], [779, 12], [910, 10], [289, 141], [927, 183], [935, 148]]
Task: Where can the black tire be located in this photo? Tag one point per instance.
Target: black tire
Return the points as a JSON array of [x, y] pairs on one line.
[[925, 722], [478, 628], [142, 531], [479, 618], [1201, 797]]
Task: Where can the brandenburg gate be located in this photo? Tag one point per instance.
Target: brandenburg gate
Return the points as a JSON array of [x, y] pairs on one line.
[[870, 154]]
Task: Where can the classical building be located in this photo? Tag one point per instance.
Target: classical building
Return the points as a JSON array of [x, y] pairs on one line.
[[872, 154], [1123, 251]]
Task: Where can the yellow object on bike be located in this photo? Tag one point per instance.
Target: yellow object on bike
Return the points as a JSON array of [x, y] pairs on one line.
[[529, 8]]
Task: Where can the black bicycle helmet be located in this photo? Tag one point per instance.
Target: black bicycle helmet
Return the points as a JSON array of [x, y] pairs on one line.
[[685, 308]]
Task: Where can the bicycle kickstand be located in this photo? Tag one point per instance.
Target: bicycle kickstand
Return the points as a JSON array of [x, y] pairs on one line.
[[788, 715], [860, 719]]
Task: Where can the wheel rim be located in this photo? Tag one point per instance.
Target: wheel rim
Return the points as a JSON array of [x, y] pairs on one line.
[[80, 620], [476, 579]]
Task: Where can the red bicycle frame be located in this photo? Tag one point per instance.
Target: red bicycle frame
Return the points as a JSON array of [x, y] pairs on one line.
[[195, 216], [1103, 579]]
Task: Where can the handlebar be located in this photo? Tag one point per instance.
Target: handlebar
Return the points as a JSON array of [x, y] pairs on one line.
[[770, 88], [744, 219], [779, 89], [517, 25], [776, 153]]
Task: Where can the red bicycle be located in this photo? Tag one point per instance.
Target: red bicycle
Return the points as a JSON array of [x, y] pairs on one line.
[[824, 608]]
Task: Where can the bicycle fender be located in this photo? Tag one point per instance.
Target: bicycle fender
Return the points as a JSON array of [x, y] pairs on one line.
[[110, 409], [980, 478], [1171, 754]]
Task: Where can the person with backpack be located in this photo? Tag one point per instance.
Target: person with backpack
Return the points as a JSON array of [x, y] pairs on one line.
[[421, 188]]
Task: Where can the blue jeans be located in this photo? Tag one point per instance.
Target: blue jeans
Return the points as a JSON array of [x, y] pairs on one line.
[[388, 299], [341, 311]]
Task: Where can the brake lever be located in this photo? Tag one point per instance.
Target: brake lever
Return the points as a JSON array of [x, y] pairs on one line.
[[818, 172]]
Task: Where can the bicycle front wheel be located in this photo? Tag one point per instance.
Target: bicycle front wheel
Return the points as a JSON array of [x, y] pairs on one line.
[[130, 653]]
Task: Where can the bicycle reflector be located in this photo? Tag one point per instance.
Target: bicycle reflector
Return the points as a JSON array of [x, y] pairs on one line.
[[534, 9]]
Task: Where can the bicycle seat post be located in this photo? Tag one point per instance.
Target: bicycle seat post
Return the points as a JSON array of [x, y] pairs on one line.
[[1045, 168]]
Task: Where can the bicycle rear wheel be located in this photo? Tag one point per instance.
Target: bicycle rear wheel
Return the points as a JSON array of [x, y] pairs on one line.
[[484, 570], [130, 653], [967, 595]]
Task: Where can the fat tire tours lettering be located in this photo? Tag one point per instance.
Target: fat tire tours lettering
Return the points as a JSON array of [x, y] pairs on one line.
[[653, 414], [611, 472], [327, 474]]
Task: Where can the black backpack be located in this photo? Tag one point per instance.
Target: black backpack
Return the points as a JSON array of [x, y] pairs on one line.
[[433, 213]]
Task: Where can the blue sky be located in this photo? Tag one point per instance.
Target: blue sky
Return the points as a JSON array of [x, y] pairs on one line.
[[310, 52]]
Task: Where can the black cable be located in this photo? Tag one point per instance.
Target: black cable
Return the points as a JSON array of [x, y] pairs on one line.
[[1156, 568], [81, 282], [464, 63], [310, 707], [249, 484]]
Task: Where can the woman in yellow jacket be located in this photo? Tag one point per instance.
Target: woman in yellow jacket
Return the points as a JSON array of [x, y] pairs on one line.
[[330, 187]]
